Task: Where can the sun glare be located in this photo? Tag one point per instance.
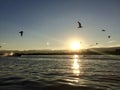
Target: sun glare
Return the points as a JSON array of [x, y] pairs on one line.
[[75, 46]]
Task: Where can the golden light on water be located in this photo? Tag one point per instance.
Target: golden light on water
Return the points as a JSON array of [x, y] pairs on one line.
[[8, 54], [76, 66], [76, 70]]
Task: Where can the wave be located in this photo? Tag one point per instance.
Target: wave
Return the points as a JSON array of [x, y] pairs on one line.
[[101, 57], [18, 83], [85, 57]]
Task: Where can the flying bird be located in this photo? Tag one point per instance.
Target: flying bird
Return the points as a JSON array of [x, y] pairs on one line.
[[79, 25], [21, 33], [103, 30], [96, 43], [109, 36]]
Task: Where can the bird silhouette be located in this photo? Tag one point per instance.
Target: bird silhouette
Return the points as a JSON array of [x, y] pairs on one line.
[[96, 43], [103, 30], [109, 36], [79, 25], [21, 33]]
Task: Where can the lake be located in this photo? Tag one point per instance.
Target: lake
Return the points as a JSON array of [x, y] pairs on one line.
[[60, 72]]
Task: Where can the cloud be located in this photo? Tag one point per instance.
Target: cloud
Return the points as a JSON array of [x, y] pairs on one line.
[[117, 45], [112, 41], [47, 43], [3, 43]]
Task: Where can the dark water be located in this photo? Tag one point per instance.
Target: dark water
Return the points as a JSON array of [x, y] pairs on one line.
[[60, 72]]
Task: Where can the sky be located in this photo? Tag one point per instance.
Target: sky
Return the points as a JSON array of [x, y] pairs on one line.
[[52, 24]]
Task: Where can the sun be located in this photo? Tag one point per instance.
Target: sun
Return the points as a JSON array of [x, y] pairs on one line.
[[75, 46]]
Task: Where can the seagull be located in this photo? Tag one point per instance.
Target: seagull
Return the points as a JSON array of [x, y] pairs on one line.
[[103, 30], [109, 36], [21, 33], [96, 43], [79, 25]]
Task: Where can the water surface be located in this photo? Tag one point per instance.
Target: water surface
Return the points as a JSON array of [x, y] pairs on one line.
[[60, 72]]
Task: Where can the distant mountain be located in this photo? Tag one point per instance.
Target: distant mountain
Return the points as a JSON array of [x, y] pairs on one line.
[[109, 50]]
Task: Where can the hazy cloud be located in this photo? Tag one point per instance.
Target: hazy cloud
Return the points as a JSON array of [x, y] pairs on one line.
[[4, 43], [118, 45], [112, 41], [47, 43]]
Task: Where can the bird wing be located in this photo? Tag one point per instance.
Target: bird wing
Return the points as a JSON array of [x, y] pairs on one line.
[[79, 24]]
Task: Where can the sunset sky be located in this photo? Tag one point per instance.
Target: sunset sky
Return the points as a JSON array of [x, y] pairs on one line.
[[52, 24]]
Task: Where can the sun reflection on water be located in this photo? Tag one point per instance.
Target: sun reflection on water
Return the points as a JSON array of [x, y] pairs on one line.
[[76, 66], [76, 70]]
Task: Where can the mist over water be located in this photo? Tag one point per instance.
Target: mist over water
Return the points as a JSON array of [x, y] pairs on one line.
[[59, 72]]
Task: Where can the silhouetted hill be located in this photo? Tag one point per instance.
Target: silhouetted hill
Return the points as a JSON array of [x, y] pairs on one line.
[[90, 51]]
